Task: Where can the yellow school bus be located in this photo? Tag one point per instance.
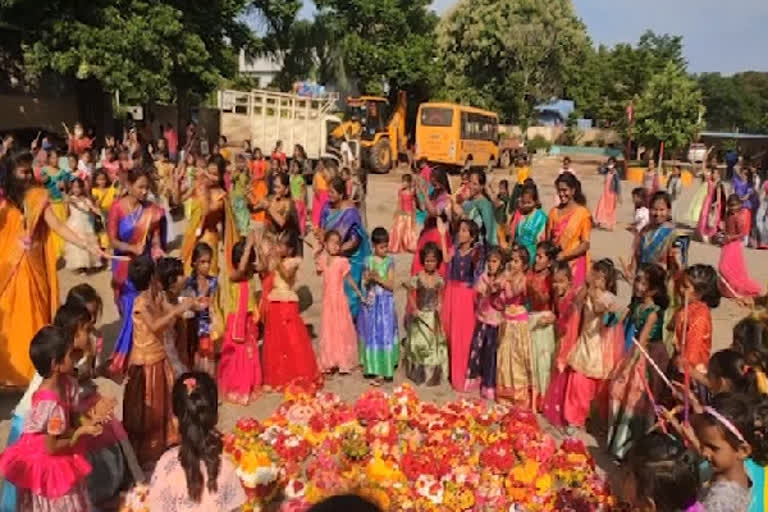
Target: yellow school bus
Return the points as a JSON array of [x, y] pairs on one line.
[[451, 134]]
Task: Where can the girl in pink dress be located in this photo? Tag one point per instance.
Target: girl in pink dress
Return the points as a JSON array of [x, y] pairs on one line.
[[46, 464], [337, 348], [605, 213], [236, 310], [196, 475], [736, 281], [404, 234]]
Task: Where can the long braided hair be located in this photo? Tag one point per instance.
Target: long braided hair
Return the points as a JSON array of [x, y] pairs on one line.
[[195, 404]]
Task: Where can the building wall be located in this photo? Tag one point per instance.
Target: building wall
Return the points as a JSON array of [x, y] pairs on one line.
[[37, 112]]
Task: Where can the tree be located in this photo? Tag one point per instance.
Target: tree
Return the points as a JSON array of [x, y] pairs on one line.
[[736, 103], [508, 55], [377, 45], [669, 109]]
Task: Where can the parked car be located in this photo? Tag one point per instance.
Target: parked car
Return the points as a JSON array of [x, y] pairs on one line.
[[697, 152]]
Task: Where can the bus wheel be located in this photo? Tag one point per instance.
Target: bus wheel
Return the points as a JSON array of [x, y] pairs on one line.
[[505, 160], [381, 156]]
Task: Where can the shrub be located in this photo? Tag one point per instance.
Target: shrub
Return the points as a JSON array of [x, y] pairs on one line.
[[538, 143]]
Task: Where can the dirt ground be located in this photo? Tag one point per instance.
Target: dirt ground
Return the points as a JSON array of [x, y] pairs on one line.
[[380, 207]]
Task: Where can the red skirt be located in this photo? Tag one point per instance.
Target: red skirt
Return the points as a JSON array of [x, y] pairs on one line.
[[287, 354], [239, 369], [458, 319]]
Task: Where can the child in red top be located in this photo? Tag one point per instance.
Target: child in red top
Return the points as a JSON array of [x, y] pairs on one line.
[[568, 319], [279, 155]]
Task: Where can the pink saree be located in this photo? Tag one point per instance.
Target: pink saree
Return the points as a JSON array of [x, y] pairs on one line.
[[735, 279]]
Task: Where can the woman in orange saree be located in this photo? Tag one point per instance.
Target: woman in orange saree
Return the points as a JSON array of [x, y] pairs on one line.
[[569, 226], [209, 207], [29, 286]]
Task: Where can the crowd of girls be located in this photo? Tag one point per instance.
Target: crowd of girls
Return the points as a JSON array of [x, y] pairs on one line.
[[504, 300]]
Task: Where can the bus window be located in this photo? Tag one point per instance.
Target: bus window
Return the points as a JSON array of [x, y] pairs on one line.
[[434, 116], [478, 127]]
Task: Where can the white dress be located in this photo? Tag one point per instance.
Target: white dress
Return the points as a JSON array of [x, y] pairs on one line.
[[81, 222]]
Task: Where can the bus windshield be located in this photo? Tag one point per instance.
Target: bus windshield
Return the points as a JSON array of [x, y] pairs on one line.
[[436, 116]]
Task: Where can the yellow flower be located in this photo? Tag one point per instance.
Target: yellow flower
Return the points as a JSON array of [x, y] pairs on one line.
[[526, 472], [382, 472], [544, 483]]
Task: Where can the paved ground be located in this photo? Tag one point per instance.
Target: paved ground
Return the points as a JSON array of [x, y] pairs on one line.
[[381, 203]]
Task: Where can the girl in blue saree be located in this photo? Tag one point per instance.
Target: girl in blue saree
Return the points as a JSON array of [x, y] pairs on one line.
[[136, 228], [340, 215], [658, 243]]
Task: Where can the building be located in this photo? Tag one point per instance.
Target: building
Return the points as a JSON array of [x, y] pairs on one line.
[[263, 68], [554, 113]]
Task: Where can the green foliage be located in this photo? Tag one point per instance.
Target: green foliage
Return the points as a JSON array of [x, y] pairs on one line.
[[736, 103], [624, 72], [146, 49], [378, 44], [537, 143], [668, 109], [508, 55]]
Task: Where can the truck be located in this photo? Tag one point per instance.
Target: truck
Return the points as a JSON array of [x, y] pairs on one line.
[[264, 117]]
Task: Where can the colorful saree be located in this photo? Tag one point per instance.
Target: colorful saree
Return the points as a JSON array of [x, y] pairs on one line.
[[137, 227], [568, 230], [653, 244], [605, 213], [632, 386], [29, 286], [203, 227], [482, 213], [529, 230], [732, 267], [348, 223], [320, 198], [697, 201], [711, 211]]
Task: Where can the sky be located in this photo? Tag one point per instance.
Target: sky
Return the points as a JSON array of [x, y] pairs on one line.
[[726, 36]]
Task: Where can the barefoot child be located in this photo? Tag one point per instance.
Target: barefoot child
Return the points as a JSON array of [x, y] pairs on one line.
[[45, 465], [299, 194], [379, 346], [236, 316], [568, 313], [593, 356], [82, 213], [202, 285], [642, 215], [481, 373], [426, 349], [147, 414], [541, 318], [337, 347], [633, 387], [514, 366], [404, 231], [465, 264], [287, 354]]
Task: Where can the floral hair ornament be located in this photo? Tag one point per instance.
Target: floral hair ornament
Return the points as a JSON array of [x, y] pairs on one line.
[[726, 423], [191, 384]]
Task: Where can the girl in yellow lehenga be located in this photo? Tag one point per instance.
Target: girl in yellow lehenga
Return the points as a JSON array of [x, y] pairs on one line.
[[209, 207], [104, 195], [29, 286]]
